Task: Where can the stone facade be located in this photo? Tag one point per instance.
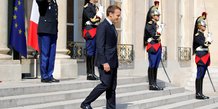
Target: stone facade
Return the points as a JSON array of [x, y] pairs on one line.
[[177, 15]]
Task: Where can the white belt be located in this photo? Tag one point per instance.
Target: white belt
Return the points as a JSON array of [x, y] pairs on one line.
[[200, 48], [151, 39], [90, 23]]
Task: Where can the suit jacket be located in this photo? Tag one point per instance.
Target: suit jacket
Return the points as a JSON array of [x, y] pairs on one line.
[[106, 45], [48, 21]]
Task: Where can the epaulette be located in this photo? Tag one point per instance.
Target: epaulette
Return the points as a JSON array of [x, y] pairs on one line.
[[196, 34], [150, 22], [87, 4]]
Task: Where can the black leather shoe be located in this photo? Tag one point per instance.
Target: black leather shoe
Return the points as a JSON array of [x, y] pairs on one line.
[[95, 76], [85, 106], [46, 81], [201, 96], [154, 87], [55, 80], [205, 97], [92, 77]]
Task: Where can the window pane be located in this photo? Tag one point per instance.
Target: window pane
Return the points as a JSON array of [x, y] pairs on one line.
[[70, 33], [70, 12]]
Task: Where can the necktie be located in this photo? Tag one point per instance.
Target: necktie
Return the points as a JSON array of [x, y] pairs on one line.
[[114, 29]]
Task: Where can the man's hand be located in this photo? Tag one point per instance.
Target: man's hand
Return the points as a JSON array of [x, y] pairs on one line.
[[106, 67]]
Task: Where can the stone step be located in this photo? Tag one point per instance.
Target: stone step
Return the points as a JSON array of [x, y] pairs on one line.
[[5, 57], [189, 104], [121, 97], [210, 106], [154, 102], [10, 70], [22, 88], [21, 100]]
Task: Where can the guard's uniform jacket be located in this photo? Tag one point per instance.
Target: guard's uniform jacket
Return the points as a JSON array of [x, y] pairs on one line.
[[152, 37], [48, 21], [201, 49], [90, 21]]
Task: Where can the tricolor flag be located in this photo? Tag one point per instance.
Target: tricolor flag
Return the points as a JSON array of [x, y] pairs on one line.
[[32, 32], [17, 35]]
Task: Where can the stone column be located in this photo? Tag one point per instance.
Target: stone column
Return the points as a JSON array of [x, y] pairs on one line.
[[127, 22], [62, 28], [139, 10], [4, 29], [64, 66], [170, 39]]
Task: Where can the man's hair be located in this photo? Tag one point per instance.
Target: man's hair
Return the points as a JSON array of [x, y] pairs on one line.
[[112, 8]]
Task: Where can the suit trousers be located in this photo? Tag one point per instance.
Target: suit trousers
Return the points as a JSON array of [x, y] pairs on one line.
[[47, 46], [108, 84]]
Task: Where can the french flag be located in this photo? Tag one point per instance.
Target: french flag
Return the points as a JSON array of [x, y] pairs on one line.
[[33, 25]]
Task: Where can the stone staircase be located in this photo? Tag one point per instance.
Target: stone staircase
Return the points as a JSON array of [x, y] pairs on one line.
[[132, 93]]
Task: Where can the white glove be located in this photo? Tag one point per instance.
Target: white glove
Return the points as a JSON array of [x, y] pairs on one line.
[[100, 12], [162, 26], [209, 37], [159, 29], [101, 9]]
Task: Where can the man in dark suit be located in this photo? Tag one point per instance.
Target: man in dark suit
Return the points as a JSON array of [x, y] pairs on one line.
[[47, 35], [106, 60]]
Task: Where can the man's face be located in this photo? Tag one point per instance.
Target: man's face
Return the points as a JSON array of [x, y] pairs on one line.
[[157, 5], [204, 17], [156, 17], [203, 28], [115, 17]]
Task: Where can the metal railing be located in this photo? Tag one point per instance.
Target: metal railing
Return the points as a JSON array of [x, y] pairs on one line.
[[125, 56], [77, 50]]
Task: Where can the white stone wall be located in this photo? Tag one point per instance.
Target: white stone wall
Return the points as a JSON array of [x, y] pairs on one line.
[[4, 26]]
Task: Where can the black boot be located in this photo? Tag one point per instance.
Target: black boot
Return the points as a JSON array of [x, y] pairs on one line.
[[88, 68], [150, 79], [198, 88], [201, 89], [155, 79], [93, 68]]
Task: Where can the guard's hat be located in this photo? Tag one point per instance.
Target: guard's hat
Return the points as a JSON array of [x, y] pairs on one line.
[[202, 23], [204, 14], [155, 12], [156, 2]]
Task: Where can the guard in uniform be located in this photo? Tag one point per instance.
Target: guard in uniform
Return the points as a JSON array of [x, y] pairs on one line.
[[152, 42], [47, 34], [92, 15], [202, 55]]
